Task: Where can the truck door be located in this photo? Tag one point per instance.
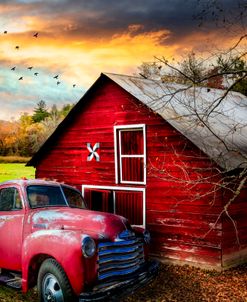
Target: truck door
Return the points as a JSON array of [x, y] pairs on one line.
[[11, 228]]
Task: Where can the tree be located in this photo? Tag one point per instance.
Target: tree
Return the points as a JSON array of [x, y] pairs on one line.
[[150, 70], [66, 109], [40, 112], [192, 69], [29, 136], [25, 136], [226, 70], [235, 69]]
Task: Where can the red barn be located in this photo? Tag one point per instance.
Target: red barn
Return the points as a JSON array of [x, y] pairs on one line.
[[165, 157]]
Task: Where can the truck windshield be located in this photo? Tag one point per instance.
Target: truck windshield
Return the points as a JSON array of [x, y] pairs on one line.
[[52, 196], [74, 198]]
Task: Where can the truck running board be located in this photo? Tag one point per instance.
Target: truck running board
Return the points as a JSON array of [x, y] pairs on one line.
[[10, 279]]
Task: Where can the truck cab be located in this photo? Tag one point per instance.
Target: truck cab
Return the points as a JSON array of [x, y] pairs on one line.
[[49, 238]]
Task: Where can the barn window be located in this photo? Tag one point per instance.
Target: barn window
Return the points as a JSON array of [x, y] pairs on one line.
[[130, 154], [125, 201]]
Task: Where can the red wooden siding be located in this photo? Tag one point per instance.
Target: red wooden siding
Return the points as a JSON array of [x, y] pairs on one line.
[[130, 205], [234, 247], [181, 204]]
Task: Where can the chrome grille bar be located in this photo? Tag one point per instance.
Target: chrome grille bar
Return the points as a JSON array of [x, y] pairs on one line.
[[119, 273], [120, 258], [116, 266], [103, 245], [122, 250]]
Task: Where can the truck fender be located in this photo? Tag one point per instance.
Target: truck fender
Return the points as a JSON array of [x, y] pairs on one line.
[[62, 245]]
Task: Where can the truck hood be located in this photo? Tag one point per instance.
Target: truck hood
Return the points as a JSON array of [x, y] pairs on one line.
[[96, 224]]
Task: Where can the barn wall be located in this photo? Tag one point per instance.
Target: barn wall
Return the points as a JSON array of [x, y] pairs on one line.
[[182, 206], [234, 243]]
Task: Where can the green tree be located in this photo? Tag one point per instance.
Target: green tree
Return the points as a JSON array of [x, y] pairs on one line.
[[40, 112], [66, 109], [235, 69]]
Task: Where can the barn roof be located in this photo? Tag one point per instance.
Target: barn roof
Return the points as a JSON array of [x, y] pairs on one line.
[[215, 121]]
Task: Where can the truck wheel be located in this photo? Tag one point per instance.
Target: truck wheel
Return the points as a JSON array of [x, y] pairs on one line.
[[53, 284]]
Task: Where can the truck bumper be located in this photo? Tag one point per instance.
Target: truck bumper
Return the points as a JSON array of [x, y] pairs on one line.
[[123, 288]]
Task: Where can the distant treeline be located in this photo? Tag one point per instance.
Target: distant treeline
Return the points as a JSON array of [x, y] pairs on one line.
[[24, 136]]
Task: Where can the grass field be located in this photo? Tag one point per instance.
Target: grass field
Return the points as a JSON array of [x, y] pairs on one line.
[[11, 295], [10, 171]]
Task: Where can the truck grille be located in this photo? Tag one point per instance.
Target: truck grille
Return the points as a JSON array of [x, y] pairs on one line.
[[120, 258]]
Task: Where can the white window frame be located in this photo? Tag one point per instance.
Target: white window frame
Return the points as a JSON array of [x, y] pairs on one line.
[[114, 189], [117, 146]]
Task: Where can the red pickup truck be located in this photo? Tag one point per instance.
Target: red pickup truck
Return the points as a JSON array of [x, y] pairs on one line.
[[50, 239]]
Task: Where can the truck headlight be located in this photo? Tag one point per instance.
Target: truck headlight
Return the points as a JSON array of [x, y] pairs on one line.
[[147, 236], [88, 247]]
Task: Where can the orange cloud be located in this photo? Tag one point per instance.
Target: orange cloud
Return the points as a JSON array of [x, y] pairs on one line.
[[82, 60], [64, 47], [120, 53]]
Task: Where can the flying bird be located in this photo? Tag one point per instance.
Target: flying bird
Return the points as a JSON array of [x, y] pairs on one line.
[[56, 77], [74, 85], [36, 35], [5, 32], [21, 78], [13, 68], [58, 83], [36, 73], [30, 67], [17, 47]]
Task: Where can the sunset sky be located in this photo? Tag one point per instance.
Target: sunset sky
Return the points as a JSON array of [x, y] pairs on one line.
[[79, 39]]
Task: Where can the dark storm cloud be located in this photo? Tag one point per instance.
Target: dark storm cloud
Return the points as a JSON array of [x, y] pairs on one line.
[[97, 18], [101, 18]]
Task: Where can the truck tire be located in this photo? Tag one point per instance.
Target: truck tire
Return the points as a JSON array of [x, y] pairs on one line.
[[53, 284]]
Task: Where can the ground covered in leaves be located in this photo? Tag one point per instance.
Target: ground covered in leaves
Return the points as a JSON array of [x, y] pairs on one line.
[[175, 284], [188, 284]]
